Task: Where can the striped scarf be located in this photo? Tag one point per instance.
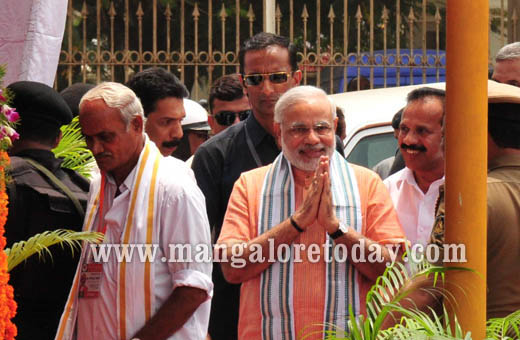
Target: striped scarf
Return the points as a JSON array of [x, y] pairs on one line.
[[276, 283], [135, 279]]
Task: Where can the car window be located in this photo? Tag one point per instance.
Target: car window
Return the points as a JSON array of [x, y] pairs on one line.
[[372, 149]]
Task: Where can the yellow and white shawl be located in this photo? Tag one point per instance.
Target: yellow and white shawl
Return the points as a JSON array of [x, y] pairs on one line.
[[135, 279]]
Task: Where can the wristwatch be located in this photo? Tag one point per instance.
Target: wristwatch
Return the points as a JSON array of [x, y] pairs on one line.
[[342, 230]]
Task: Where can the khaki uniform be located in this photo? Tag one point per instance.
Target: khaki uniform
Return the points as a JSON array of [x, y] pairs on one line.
[[503, 203], [503, 238]]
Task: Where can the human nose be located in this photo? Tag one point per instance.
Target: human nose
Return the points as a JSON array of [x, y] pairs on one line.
[[312, 137], [267, 86], [177, 131], [410, 138], [94, 146]]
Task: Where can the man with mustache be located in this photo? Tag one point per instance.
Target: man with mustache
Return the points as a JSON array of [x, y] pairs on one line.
[[414, 190], [146, 201], [503, 210], [308, 197], [161, 94]]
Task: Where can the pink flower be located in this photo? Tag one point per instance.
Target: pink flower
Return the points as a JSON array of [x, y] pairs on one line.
[[12, 115], [14, 136], [3, 132], [7, 131], [2, 98]]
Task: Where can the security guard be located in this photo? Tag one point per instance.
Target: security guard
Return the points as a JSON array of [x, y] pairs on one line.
[[503, 202], [42, 196]]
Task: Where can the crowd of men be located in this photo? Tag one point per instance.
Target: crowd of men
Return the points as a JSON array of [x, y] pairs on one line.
[[264, 209]]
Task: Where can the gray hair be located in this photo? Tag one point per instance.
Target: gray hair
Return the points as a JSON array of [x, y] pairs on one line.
[[116, 96], [297, 95], [508, 52]]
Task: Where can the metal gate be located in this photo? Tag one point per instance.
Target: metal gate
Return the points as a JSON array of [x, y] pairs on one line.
[[343, 45]]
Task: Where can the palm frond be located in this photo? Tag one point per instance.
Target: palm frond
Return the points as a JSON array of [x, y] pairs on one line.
[[73, 149], [386, 295], [416, 321], [504, 328], [40, 243]]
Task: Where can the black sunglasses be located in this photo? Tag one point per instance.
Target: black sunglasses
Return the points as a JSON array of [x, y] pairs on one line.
[[258, 78], [227, 118]]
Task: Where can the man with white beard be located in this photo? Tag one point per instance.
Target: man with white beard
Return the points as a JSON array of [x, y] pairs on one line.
[[310, 200]]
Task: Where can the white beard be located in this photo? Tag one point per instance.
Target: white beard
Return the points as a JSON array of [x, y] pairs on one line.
[[306, 165]]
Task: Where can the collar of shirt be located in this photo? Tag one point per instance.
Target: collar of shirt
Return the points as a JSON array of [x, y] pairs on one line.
[[126, 185], [255, 131], [407, 176], [504, 161]]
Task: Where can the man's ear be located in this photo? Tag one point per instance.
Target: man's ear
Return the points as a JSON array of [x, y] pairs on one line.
[[335, 124], [137, 124], [244, 86], [297, 76]]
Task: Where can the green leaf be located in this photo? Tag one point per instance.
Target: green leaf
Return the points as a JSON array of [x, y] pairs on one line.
[[40, 243], [73, 150], [504, 328], [354, 329]]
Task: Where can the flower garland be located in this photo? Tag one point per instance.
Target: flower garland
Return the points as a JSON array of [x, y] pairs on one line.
[[7, 303], [8, 119]]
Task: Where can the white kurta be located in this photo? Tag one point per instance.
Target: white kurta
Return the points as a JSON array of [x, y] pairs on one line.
[[415, 209], [180, 218]]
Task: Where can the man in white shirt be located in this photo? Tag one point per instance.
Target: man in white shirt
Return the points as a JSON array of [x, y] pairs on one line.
[[150, 204], [414, 190]]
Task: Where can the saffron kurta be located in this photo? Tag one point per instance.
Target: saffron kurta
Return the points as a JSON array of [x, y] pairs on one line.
[[240, 225]]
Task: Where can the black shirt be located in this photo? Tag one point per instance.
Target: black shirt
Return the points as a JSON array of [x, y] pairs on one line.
[[35, 205], [217, 164]]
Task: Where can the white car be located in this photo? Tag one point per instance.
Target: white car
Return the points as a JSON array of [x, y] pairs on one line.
[[368, 118]]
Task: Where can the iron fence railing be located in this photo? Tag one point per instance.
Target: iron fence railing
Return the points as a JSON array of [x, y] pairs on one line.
[[342, 45]]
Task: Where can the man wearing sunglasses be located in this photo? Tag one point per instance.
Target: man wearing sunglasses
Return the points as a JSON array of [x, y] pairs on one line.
[[268, 66], [228, 103]]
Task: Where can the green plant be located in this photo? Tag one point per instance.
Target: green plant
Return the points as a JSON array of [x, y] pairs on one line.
[[386, 295], [40, 243], [504, 328], [73, 150]]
